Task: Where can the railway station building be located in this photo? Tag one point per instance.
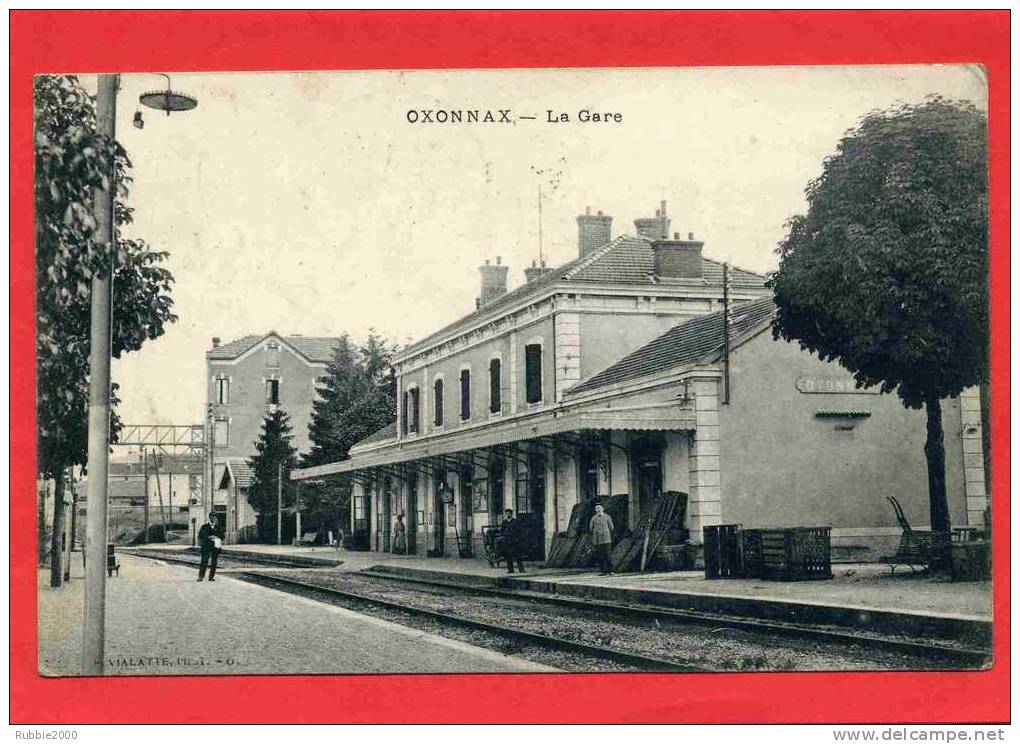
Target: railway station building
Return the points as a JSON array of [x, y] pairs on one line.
[[608, 377]]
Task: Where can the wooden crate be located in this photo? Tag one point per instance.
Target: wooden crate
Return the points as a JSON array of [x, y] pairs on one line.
[[723, 551], [787, 553]]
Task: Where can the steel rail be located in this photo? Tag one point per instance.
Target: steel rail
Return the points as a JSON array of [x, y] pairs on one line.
[[969, 657], [624, 657]]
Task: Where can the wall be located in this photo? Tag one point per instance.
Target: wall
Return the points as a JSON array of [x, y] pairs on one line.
[[782, 465], [247, 407], [509, 347], [607, 338]]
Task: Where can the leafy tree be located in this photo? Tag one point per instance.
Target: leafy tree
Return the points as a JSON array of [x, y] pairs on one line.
[[887, 273], [356, 397], [272, 450], [71, 162]]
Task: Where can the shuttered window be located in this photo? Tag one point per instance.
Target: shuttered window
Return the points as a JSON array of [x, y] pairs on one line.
[[465, 394], [495, 381], [403, 413], [533, 372], [438, 402], [415, 409]]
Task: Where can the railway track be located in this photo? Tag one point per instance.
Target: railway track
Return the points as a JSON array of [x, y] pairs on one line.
[[953, 655], [624, 658], [916, 654]]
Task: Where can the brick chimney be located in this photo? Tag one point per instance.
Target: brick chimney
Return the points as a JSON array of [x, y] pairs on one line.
[[654, 228], [493, 281], [533, 272], [593, 231], [678, 259]]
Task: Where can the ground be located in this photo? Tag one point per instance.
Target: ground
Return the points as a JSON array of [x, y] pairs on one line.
[[160, 620], [863, 585]]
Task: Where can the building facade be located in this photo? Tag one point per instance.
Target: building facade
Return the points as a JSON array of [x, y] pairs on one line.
[[246, 380], [609, 377]]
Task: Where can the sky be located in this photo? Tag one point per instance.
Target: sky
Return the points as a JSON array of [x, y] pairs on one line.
[[307, 203]]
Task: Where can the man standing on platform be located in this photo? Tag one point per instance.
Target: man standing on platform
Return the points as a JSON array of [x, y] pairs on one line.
[[210, 542], [510, 537], [601, 528]]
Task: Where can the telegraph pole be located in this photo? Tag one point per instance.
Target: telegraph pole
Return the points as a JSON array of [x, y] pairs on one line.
[[297, 524], [94, 626], [279, 503], [726, 331], [145, 508]]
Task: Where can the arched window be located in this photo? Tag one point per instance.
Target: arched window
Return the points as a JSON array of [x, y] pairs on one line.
[[533, 373], [495, 385], [438, 401], [465, 394]]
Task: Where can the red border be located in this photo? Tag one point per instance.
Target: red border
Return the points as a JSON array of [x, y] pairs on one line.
[[83, 41]]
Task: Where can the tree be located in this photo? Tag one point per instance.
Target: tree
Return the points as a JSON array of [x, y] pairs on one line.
[[273, 450], [887, 273], [355, 397], [71, 161]]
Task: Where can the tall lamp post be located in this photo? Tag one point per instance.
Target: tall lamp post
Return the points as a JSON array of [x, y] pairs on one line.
[[94, 625]]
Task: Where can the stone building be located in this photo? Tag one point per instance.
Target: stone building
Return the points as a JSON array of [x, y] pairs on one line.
[[607, 376], [247, 379]]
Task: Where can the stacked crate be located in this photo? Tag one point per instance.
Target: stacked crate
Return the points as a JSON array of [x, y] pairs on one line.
[[787, 553]]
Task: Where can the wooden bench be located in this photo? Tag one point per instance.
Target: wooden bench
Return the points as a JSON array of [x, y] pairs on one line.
[[849, 552], [914, 550], [309, 538]]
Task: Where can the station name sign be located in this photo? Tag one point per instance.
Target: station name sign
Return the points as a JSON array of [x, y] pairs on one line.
[[833, 385]]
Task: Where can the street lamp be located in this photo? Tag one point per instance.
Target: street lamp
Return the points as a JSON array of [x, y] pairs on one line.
[[94, 620]]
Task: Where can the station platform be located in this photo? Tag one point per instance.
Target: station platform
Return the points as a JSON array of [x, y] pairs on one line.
[[864, 595]]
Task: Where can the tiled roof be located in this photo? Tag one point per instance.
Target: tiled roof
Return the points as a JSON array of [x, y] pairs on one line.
[[313, 348], [241, 472], [387, 432], [626, 260], [692, 341]]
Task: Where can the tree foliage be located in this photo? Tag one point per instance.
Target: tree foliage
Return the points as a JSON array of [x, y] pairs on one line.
[[71, 161], [888, 271], [356, 397], [272, 450]]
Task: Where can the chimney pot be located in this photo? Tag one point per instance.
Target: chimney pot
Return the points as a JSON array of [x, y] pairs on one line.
[[690, 236], [676, 236], [216, 342], [593, 231], [677, 259], [493, 281]]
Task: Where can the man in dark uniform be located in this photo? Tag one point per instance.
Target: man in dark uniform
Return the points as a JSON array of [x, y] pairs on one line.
[[510, 535], [208, 542]]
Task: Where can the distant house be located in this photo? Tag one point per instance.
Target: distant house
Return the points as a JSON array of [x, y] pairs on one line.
[[247, 379]]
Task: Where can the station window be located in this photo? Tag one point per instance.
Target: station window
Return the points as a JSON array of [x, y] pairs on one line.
[[533, 373], [415, 422], [438, 401], [222, 432], [273, 391], [495, 382], [222, 390], [465, 394]]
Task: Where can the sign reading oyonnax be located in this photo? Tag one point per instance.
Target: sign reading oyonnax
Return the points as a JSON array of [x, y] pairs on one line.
[[833, 385]]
